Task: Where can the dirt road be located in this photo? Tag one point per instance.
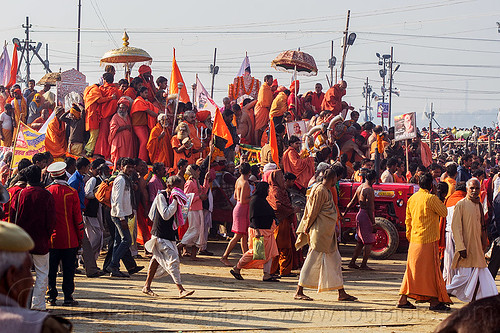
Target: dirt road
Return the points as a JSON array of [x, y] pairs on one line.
[[223, 304]]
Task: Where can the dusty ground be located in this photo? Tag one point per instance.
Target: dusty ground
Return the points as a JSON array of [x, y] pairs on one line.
[[224, 304]]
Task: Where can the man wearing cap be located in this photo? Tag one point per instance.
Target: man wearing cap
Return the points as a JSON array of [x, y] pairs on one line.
[[16, 283], [20, 106], [33, 210], [148, 81], [67, 235]]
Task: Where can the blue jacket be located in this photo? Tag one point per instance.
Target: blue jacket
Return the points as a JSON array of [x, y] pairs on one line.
[[76, 182]]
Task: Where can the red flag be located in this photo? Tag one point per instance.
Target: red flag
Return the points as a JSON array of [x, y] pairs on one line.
[[222, 136], [13, 68], [273, 142], [175, 78]]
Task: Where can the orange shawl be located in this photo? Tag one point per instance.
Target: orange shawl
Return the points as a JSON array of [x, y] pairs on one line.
[[20, 113], [109, 108], [264, 101], [160, 150], [55, 138], [449, 202]]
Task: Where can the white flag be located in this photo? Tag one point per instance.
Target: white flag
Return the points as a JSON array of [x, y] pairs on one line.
[[4, 67], [245, 67], [203, 100]]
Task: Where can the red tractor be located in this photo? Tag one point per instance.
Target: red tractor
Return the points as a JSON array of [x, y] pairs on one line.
[[390, 214]]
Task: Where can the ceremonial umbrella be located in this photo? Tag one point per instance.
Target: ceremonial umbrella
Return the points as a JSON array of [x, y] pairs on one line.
[[126, 55], [296, 62]]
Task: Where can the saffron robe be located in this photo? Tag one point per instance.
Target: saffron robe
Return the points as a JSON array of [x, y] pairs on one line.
[[160, 150], [55, 138], [121, 142], [303, 168], [264, 101]]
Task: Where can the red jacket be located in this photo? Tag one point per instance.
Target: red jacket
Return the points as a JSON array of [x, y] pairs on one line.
[[68, 230], [35, 216]]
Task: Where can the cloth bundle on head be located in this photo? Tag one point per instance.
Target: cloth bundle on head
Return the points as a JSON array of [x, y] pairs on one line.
[[182, 200], [14, 238], [144, 69], [266, 171], [76, 111], [295, 86], [125, 100]]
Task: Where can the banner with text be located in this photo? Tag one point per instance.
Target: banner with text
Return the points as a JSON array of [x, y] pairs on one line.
[[28, 143]]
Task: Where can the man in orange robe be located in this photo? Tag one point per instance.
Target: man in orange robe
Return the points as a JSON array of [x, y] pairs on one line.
[[141, 109], [190, 120], [333, 98], [159, 146], [120, 132], [108, 109], [55, 138], [92, 97], [261, 111], [302, 168], [317, 97], [20, 106]]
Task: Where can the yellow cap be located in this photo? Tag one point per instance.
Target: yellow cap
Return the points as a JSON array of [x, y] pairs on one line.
[[14, 238]]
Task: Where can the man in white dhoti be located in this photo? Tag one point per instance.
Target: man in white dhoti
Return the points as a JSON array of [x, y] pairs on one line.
[[322, 267], [166, 218], [472, 279], [449, 251]]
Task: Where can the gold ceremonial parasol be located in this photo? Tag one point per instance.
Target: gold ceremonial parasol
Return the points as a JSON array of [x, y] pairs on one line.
[[296, 62], [49, 78], [126, 55]]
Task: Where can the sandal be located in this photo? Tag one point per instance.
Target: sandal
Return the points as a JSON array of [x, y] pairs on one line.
[[236, 275], [186, 293], [407, 305], [302, 298], [349, 298], [150, 293], [440, 307]]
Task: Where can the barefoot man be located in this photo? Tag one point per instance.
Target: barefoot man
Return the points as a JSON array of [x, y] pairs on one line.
[[166, 219], [322, 267], [365, 219], [241, 213]]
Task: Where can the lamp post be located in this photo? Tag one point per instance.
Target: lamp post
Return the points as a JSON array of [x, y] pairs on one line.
[[382, 61]]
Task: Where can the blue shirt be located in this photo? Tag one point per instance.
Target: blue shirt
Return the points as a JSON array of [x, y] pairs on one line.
[[76, 182], [463, 174]]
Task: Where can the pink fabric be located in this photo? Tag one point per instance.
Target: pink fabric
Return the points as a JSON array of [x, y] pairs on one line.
[[142, 134], [192, 186], [182, 200], [121, 142], [364, 228], [154, 186], [270, 246], [241, 218]]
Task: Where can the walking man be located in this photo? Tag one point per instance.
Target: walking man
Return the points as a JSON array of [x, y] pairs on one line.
[[423, 280], [472, 279]]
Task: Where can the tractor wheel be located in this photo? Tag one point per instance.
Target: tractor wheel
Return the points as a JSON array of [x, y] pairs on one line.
[[386, 239]]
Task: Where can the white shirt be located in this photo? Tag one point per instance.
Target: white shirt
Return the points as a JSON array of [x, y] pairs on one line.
[[160, 204], [121, 201], [6, 121], [90, 187], [387, 177]]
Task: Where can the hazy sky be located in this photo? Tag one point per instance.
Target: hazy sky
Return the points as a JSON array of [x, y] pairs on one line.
[[448, 50]]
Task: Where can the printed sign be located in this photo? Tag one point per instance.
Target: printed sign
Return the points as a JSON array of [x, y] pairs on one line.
[[405, 126], [383, 108]]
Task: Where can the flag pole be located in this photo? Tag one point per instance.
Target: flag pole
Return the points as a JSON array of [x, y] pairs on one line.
[[179, 88], [13, 145]]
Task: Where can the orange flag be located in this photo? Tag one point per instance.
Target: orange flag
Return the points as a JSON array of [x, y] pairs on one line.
[[222, 136], [273, 142], [175, 78], [13, 68]]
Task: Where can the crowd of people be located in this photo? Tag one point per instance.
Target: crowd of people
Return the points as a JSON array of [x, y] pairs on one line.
[[114, 178]]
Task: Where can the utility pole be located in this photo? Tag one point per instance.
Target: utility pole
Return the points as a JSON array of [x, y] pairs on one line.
[[78, 36], [346, 34], [390, 87], [367, 92], [431, 117], [213, 70], [27, 26]]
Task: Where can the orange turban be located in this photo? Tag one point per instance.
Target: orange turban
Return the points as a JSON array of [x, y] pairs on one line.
[[202, 115], [295, 86], [275, 83], [124, 100], [144, 69]]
